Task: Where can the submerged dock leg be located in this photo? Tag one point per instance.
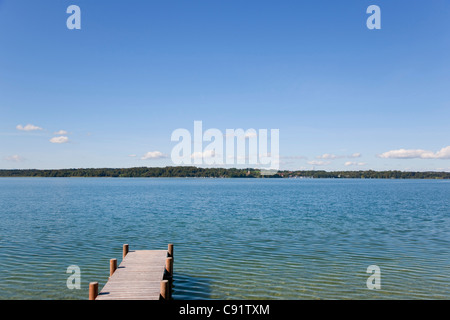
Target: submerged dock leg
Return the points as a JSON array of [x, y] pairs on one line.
[[165, 294], [112, 266], [93, 290]]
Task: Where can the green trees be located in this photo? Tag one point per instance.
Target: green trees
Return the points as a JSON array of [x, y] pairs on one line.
[[190, 171]]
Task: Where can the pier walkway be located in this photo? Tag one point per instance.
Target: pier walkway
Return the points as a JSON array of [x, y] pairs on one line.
[[142, 275]]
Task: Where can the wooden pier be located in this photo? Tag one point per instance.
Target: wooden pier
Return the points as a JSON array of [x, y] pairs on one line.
[[142, 275]]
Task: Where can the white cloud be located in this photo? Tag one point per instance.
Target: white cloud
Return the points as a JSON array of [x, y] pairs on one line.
[[350, 163], [28, 127], [14, 158], [153, 155], [203, 155], [61, 139], [61, 132], [444, 153], [132, 155], [327, 156], [251, 134], [293, 157], [319, 163]]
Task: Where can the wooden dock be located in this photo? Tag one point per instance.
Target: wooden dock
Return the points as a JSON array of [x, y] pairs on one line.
[[142, 275]]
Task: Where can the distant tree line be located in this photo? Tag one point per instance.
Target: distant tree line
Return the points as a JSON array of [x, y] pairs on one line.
[[368, 174], [146, 172]]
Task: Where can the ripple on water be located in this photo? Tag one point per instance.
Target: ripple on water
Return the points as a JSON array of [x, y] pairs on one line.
[[234, 239]]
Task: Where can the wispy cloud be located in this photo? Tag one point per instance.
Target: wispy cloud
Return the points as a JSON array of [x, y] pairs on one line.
[[293, 157], [61, 132], [319, 163], [60, 139], [351, 163], [330, 156], [444, 153], [251, 134], [327, 156], [153, 155], [28, 127], [203, 155], [355, 155], [14, 158]]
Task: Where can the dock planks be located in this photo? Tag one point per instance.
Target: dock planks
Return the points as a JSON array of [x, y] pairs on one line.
[[140, 276]]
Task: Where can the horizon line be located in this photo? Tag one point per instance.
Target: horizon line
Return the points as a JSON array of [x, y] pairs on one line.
[[221, 168]]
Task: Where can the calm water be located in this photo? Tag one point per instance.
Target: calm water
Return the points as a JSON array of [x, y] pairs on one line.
[[233, 238]]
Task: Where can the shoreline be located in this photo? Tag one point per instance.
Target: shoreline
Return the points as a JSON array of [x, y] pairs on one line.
[[219, 173]]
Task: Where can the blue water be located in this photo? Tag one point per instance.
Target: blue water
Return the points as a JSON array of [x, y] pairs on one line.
[[233, 238]]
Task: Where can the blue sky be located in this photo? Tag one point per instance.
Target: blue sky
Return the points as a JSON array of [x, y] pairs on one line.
[[343, 97]]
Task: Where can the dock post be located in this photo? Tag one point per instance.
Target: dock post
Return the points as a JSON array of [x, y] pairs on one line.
[[165, 293], [169, 274], [112, 266], [170, 249], [125, 250], [93, 290], [169, 265]]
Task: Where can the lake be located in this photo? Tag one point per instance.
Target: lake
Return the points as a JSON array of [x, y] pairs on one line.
[[233, 238]]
